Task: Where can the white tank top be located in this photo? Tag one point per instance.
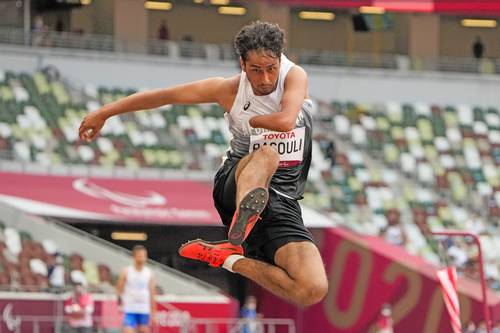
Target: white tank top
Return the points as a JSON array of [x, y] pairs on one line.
[[294, 147], [247, 103], [136, 295], [289, 145]]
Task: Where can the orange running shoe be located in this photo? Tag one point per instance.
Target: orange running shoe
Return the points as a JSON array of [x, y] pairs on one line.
[[213, 253], [247, 214]]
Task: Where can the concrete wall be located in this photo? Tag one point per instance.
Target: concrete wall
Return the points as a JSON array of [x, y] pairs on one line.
[[423, 36], [204, 24], [10, 14], [130, 23], [457, 41], [97, 18], [337, 35], [401, 22]]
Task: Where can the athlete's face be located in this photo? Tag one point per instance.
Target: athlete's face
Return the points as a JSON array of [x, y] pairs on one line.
[[262, 71], [140, 257]]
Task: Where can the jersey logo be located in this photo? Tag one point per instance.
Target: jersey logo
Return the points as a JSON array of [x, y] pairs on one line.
[[246, 106], [289, 145]]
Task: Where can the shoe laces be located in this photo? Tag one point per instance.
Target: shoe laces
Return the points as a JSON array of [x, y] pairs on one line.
[[211, 255]]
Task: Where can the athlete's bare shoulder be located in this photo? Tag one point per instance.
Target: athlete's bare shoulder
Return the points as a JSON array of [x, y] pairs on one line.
[[228, 89], [296, 81], [229, 85], [297, 73]]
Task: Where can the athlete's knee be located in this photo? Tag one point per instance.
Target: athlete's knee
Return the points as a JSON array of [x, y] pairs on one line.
[[270, 155], [312, 292]]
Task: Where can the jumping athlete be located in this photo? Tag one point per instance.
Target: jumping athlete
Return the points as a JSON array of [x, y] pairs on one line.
[[257, 188]]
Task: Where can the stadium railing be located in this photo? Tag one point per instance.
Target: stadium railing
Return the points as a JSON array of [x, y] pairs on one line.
[[225, 52], [180, 324]]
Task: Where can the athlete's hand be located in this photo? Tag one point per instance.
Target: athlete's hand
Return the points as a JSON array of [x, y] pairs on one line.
[[152, 320], [245, 125], [91, 125]]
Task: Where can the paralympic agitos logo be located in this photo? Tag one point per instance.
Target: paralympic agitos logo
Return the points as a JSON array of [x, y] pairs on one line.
[[12, 322], [86, 187]]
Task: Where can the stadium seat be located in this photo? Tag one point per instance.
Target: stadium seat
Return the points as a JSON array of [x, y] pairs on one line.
[[448, 148]]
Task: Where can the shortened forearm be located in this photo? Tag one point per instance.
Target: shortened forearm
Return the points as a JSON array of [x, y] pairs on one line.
[[278, 122]]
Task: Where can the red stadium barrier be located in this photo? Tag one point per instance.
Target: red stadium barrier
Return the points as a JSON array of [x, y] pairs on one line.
[[39, 312], [146, 201], [366, 272], [448, 279]]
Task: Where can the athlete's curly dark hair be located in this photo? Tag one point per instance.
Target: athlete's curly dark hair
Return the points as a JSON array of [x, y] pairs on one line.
[[259, 36]]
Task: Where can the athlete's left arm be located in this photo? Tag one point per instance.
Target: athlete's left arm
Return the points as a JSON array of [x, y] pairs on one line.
[[295, 91]]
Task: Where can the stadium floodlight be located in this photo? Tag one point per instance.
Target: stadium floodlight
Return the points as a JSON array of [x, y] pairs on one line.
[[371, 10], [313, 15], [129, 236], [232, 10], [157, 5], [478, 23], [220, 2]]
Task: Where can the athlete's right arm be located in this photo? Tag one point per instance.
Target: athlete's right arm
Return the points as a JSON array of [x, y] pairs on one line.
[[121, 284], [204, 91]]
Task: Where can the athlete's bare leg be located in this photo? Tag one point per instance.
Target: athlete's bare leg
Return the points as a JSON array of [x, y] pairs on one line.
[[298, 277], [255, 170], [143, 329], [253, 174]]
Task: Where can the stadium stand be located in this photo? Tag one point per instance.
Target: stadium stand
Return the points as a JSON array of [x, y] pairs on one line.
[[28, 265], [41, 119], [436, 167], [29, 247], [454, 149]]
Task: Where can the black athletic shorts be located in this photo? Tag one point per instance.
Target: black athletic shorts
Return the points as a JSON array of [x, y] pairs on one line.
[[281, 221]]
